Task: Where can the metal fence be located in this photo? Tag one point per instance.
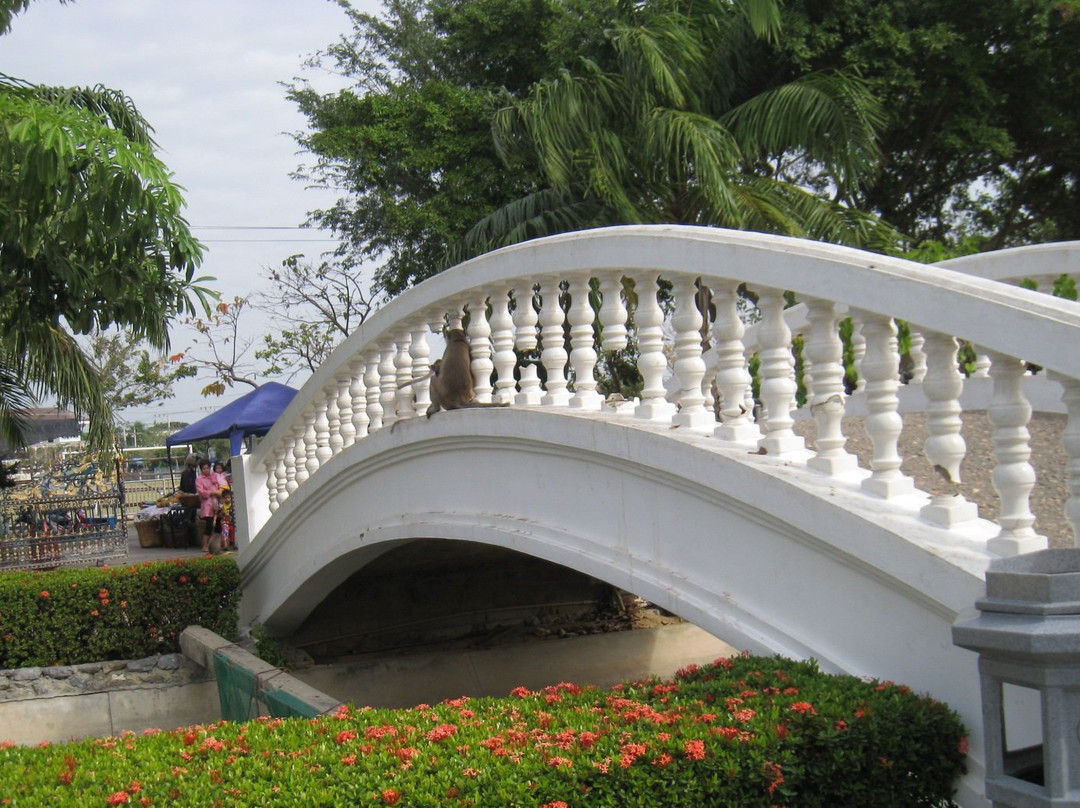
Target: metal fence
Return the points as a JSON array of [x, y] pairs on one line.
[[41, 530]]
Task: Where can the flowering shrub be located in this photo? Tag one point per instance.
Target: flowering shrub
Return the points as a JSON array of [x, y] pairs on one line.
[[70, 616], [801, 738]]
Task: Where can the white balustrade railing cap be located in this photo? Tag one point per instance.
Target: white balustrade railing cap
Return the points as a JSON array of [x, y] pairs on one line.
[[1016, 322]]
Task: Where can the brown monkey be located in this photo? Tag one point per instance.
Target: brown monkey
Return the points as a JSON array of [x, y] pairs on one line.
[[451, 385]]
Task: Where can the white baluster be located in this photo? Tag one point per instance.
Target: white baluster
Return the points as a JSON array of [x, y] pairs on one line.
[[942, 385], [373, 389], [274, 467], [613, 313], [858, 349], [944, 446], [403, 375], [652, 363], [807, 372], [454, 318], [918, 357], [824, 348], [582, 342], [281, 475], [480, 349], [388, 385], [525, 320], [553, 356], [358, 394], [982, 366], [880, 368], [531, 394], [1013, 476], [777, 378], [333, 418], [322, 434], [732, 376], [1071, 441], [689, 366], [420, 352], [306, 462], [502, 341], [294, 458], [347, 429]]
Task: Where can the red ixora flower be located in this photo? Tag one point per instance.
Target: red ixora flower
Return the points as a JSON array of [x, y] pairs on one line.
[[118, 798], [440, 733], [44, 593], [391, 796], [695, 749], [803, 707]]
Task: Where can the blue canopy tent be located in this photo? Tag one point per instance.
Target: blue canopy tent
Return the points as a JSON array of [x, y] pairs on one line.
[[251, 414]]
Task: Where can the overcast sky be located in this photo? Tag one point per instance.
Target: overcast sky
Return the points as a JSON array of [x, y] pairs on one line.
[[206, 74]]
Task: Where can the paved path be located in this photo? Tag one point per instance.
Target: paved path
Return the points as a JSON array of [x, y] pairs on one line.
[[137, 553]]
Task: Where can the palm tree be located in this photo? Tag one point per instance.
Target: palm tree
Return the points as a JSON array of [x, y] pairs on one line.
[[684, 130], [91, 236]]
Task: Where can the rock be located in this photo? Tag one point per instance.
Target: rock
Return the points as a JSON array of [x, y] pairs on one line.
[[142, 665], [59, 672], [169, 662], [25, 674]]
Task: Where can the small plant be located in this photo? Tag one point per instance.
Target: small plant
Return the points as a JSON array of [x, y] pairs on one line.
[[267, 648]]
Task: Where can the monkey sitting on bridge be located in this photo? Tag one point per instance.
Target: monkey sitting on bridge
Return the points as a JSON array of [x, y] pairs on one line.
[[451, 386]]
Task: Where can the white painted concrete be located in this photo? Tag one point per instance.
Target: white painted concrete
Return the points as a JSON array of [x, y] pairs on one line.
[[758, 550], [110, 713], [737, 544]]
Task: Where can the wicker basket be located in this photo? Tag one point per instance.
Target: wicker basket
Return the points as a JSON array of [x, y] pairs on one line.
[[149, 534], [189, 500]]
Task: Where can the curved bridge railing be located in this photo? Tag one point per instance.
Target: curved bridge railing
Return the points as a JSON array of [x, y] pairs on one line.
[[1038, 266], [588, 290]]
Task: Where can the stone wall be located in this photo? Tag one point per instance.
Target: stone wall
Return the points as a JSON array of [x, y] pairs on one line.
[[98, 699]]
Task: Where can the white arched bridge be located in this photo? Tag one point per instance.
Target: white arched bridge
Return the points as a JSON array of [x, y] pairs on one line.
[[699, 496]]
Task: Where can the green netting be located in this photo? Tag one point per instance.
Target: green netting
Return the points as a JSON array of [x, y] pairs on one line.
[[282, 704], [237, 690]]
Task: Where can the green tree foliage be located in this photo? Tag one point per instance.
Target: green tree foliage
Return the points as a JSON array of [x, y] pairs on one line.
[[91, 237], [982, 137], [606, 112], [683, 129], [411, 144], [132, 377]]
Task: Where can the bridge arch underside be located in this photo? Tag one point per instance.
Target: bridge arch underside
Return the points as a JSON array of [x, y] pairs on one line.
[[766, 556]]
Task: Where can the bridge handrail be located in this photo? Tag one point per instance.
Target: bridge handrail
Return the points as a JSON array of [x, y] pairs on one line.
[[1012, 325], [1041, 264]]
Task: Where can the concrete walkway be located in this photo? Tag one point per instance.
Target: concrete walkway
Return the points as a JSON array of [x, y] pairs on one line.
[[602, 660], [138, 554]]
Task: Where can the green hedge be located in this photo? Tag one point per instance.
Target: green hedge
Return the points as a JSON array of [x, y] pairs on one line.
[[741, 733], [68, 616]]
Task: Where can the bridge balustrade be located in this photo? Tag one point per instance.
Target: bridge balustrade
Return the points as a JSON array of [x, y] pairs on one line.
[[540, 316]]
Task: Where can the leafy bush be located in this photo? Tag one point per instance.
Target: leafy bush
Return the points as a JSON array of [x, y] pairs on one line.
[[741, 733], [68, 616]]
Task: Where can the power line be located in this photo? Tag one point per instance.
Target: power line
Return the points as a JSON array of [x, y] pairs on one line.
[[268, 240], [247, 227]]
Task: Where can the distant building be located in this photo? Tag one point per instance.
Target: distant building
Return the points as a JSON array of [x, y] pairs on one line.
[[47, 425]]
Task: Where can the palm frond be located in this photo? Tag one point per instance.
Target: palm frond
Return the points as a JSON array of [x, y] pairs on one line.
[[830, 116], [15, 400], [47, 360], [538, 214]]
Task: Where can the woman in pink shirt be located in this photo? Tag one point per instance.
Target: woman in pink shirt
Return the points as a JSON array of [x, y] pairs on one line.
[[209, 490]]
